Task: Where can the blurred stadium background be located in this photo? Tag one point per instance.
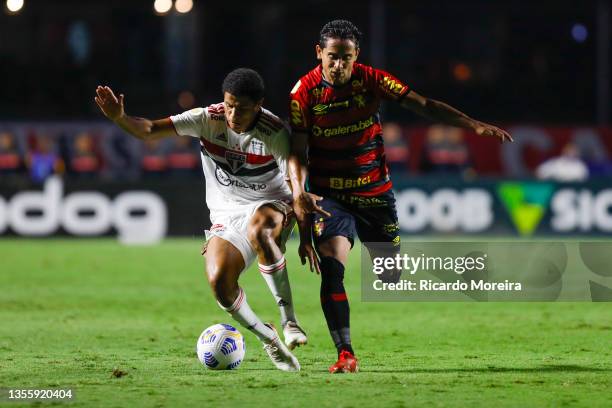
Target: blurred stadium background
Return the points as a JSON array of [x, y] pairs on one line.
[[539, 69]]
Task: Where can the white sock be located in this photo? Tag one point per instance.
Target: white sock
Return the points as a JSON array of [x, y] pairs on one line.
[[277, 279], [243, 314]]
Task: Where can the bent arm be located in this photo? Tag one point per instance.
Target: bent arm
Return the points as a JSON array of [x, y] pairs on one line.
[[298, 174], [145, 129], [298, 163]]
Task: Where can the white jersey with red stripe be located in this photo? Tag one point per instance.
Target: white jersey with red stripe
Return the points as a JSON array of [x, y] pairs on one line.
[[240, 168]]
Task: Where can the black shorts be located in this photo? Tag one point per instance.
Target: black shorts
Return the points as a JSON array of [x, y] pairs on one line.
[[371, 219]]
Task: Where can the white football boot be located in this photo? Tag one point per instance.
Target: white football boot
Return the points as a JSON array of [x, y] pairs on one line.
[[294, 335], [280, 354]]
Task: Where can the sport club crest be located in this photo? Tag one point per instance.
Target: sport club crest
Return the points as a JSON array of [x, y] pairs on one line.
[[235, 160]]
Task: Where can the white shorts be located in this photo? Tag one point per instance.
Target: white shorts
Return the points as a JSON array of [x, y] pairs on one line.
[[232, 225]]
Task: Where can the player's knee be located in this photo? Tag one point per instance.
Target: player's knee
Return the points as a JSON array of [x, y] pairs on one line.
[[262, 232], [223, 291], [259, 237], [222, 287], [214, 280], [335, 247]]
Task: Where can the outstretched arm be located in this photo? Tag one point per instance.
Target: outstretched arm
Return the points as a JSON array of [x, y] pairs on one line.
[[441, 112], [141, 128]]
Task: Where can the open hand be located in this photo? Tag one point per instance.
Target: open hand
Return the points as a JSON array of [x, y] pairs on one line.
[[306, 251], [484, 129], [306, 203], [111, 106]]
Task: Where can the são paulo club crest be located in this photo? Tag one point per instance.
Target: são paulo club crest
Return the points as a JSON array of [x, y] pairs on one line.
[[235, 159]]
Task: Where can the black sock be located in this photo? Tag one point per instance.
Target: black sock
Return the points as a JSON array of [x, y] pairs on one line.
[[346, 347], [330, 317], [335, 303]]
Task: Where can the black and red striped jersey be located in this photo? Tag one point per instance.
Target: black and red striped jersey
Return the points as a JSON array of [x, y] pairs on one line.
[[346, 152]]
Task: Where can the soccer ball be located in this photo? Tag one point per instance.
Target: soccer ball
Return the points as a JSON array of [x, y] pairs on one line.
[[221, 347]]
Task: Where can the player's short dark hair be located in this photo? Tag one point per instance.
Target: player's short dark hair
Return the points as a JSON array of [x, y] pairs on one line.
[[341, 29], [244, 82]]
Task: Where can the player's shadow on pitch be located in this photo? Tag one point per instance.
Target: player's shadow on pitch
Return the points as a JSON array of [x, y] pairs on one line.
[[492, 369]]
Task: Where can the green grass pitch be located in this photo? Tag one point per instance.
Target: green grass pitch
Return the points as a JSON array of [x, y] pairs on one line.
[[72, 311]]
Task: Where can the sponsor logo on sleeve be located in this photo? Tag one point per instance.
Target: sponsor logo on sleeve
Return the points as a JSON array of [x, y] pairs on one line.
[[296, 113], [391, 85], [214, 116]]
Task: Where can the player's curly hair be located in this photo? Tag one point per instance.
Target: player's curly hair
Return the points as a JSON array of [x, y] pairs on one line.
[[342, 29], [244, 82]]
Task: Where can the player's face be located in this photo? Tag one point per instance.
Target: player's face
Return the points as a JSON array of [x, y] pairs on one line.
[[337, 59], [240, 111]]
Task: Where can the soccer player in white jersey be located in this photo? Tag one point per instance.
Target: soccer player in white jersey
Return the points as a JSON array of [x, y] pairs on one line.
[[244, 155]]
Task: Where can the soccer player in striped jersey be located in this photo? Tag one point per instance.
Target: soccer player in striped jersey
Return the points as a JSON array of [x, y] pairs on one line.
[[337, 146], [244, 156]]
